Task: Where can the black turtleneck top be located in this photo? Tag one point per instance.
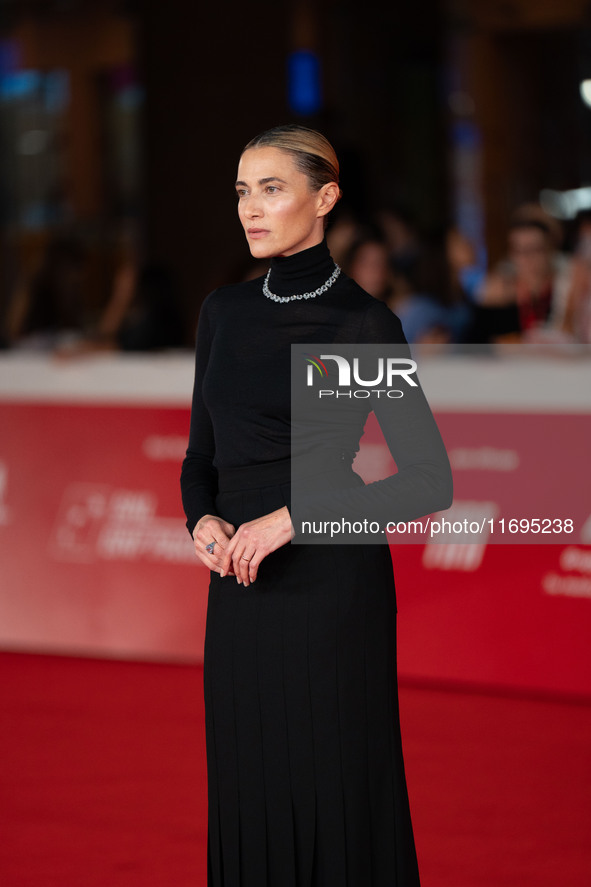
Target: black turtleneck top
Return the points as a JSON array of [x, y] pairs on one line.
[[241, 401]]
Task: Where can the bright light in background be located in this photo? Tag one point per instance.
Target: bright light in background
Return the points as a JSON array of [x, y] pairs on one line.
[[565, 204], [585, 88]]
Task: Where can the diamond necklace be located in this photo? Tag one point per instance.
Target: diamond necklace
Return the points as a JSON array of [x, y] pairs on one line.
[[318, 292]]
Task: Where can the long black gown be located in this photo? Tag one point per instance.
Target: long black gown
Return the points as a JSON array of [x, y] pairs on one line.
[[306, 780]]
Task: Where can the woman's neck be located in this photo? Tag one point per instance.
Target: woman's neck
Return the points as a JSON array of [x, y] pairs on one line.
[[301, 272]]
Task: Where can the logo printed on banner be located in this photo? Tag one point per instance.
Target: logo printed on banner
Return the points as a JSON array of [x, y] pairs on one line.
[[97, 522], [459, 554], [165, 447], [483, 459], [4, 509], [79, 519], [575, 560], [567, 586]]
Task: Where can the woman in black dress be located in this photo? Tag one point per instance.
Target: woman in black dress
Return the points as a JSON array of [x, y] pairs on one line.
[[305, 772]]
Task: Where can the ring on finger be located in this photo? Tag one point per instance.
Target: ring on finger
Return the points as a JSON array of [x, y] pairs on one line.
[[210, 547]]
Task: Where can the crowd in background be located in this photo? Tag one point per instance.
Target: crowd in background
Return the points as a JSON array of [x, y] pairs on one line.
[[49, 311], [442, 293], [540, 290]]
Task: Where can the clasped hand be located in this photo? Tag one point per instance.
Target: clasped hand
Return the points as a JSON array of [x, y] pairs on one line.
[[240, 552]]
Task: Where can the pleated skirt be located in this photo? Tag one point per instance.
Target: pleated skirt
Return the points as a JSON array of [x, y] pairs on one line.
[[306, 784]]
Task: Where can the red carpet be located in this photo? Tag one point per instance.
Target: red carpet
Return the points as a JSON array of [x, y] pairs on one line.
[[103, 780]]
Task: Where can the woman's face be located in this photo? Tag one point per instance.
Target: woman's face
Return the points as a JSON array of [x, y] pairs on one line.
[[279, 211], [370, 268], [531, 252]]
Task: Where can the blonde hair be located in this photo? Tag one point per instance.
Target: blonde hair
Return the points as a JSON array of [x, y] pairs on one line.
[[312, 152]]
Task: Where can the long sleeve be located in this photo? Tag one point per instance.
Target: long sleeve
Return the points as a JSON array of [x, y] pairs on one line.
[[422, 483], [198, 474]]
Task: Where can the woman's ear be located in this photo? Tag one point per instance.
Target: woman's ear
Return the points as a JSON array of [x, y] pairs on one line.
[[328, 196]]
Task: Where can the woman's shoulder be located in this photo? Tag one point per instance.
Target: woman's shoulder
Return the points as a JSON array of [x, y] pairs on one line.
[[374, 320], [229, 295], [230, 291]]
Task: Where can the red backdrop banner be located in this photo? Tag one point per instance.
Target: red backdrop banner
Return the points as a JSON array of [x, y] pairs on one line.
[[96, 558]]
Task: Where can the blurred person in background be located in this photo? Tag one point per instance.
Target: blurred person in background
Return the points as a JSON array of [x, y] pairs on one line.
[[367, 262], [431, 300], [524, 297], [466, 272], [405, 245], [47, 309], [342, 232], [143, 313], [577, 314]]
